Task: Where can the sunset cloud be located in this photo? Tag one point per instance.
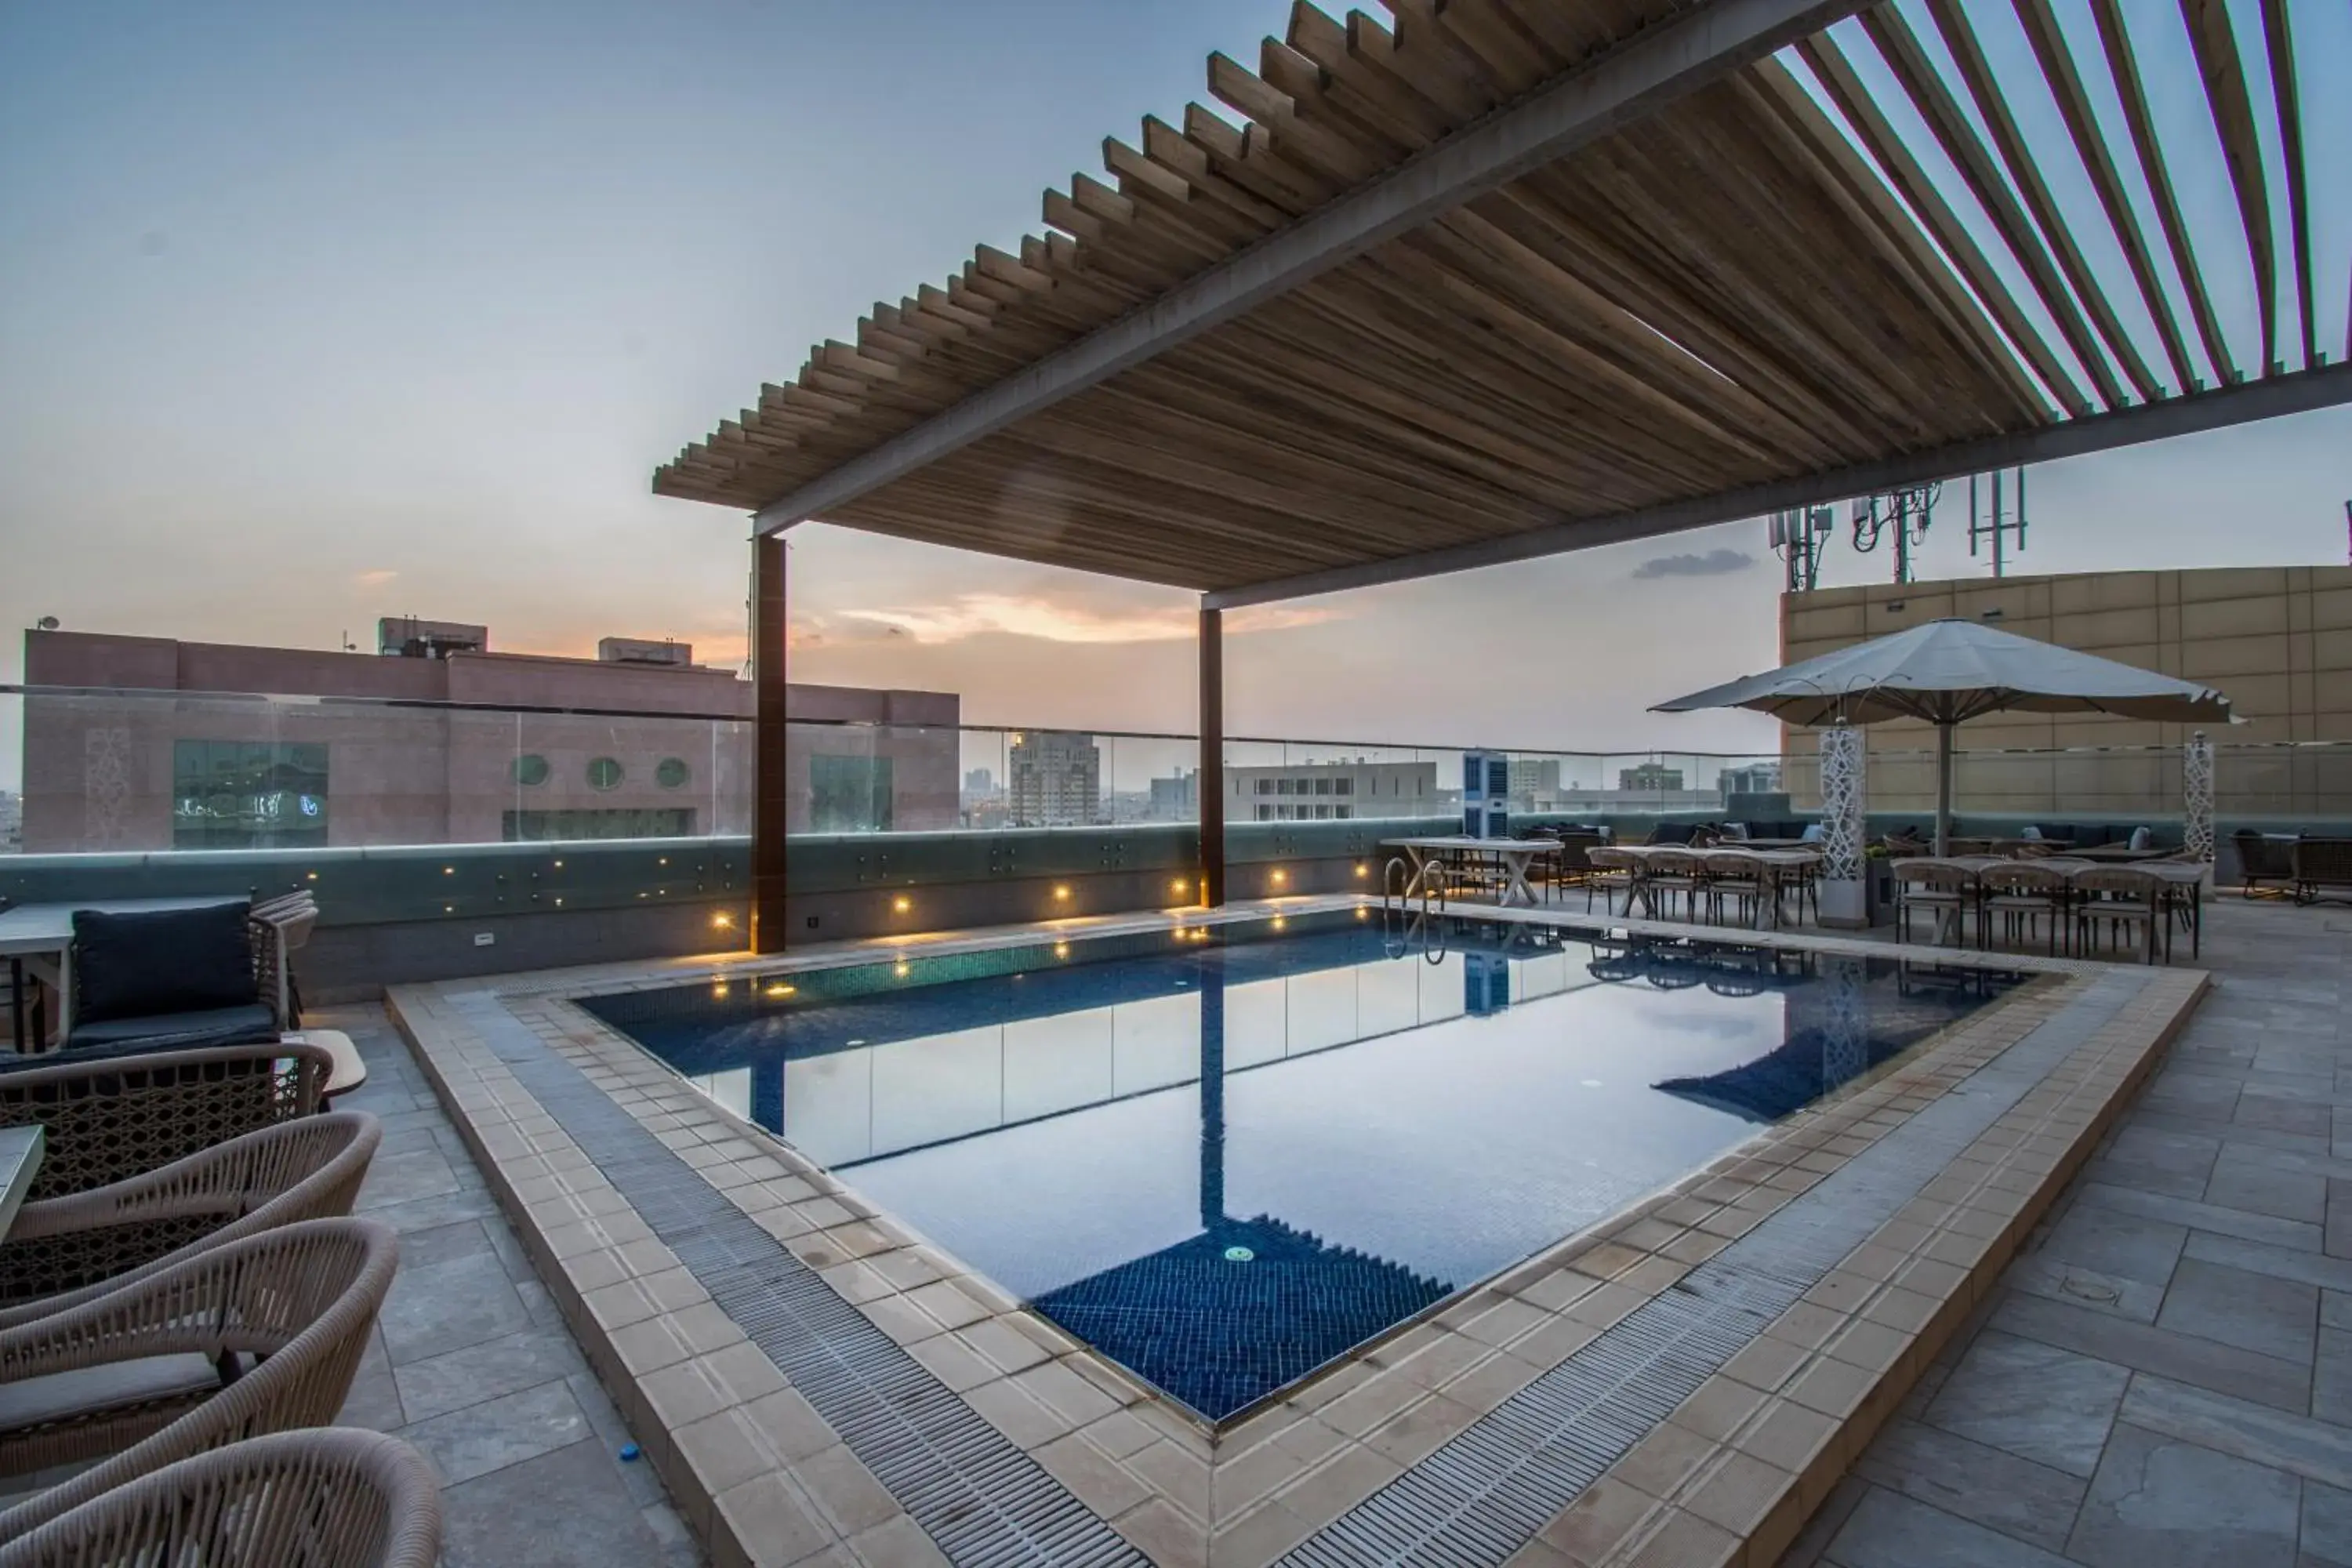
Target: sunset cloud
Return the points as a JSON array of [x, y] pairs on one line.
[[374, 579], [977, 614]]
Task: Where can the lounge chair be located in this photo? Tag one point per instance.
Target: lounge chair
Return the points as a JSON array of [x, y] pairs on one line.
[[121, 1111], [2263, 859], [329, 1498], [62, 1252], [189, 976], [2323, 868], [252, 1336]]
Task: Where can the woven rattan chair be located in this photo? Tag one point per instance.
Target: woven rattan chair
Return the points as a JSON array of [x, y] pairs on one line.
[[121, 1112], [2022, 895], [1923, 882], [2118, 897], [327, 1498], [62, 1252], [2263, 859], [2323, 868], [1735, 875], [1668, 872], [1799, 880], [1613, 870], [130, 1378]]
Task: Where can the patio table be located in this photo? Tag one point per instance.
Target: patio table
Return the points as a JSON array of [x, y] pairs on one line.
[[1515, 854], [20, 1162], [39, 936]]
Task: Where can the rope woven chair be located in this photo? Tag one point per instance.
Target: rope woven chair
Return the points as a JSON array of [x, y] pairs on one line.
[[1925, 883], [128, 1379], [2022, 894], [1736, 875], [1669, 872], [126, 1111], [332, 1497], [1612, 870], [62, 1252], [2131, 898], [1800, 880]]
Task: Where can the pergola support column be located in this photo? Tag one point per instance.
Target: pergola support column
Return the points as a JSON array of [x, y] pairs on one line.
[[1209, 782], [772, 791]]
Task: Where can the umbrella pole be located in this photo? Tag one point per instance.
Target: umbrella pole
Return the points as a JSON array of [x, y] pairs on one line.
[[1943, 789]]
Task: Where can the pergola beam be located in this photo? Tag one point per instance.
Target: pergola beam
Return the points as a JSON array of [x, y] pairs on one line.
[[1649, 71], [2296, 393]]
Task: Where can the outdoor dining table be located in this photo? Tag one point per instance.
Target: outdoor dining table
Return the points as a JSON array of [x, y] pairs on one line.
[[1514, 855], [20, 1161], [1771, 864], [39, 936]]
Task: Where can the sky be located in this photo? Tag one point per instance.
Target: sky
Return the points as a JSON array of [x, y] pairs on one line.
[[312, 314]]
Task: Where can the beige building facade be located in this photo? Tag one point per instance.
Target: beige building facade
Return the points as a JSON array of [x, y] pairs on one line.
[[2276, 640]]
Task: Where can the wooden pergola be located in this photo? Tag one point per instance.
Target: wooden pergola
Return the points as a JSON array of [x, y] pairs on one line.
[[1489, 279]]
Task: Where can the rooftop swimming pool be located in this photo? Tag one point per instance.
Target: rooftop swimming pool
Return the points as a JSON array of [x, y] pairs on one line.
[[1224, 1155]]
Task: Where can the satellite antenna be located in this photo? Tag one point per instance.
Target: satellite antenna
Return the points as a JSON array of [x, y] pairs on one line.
[[1799, 538], [1994, 525], [1905, 513]]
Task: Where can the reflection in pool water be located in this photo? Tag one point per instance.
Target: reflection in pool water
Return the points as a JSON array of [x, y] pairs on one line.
[[1225, 1162]]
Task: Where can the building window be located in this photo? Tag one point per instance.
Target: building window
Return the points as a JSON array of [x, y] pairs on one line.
[[1343, 812], [671, 772], [1282, 787], [849, 794], [1343, 786], [1264, 813], [1266, 786], [529, 770], [248, 795], [1322, 814], [604, 772], [1322, 786], [599, 822]]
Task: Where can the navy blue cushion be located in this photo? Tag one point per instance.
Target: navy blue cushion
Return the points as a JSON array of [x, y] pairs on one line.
[[213, 1026], [138, 965]]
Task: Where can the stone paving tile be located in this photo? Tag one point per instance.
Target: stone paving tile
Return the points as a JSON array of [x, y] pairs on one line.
[[2187, 1358], [1992, 1487], [2156, 1499], [1888, 1530], [500, 1402], [2243, 1224], [2253, 1312], [2032, 1399]]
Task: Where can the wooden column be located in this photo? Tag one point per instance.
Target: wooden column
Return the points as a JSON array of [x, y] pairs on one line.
[[771, 788], [1208, 786]]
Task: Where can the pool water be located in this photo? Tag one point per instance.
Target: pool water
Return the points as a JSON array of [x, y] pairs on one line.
[[1226, 1155]]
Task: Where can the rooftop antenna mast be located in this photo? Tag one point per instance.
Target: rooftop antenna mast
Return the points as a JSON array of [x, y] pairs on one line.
[[1993, 526], [1799, 538], [1905, 513]]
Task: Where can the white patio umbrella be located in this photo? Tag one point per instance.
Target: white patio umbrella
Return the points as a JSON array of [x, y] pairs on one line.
[[1949, 672]]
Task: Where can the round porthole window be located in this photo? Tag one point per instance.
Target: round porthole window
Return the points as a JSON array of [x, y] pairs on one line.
[[530, 769], [671, 772], [604, 772]]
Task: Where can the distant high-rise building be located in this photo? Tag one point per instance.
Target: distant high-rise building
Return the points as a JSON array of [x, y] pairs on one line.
[[1057, 779], [1176, 798], [1754, 778], [979, 780], [1329, 792], [1650, 777]]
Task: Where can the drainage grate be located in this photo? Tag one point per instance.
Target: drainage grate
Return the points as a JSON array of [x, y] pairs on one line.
[[982, 1499], [1485, 1494]]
